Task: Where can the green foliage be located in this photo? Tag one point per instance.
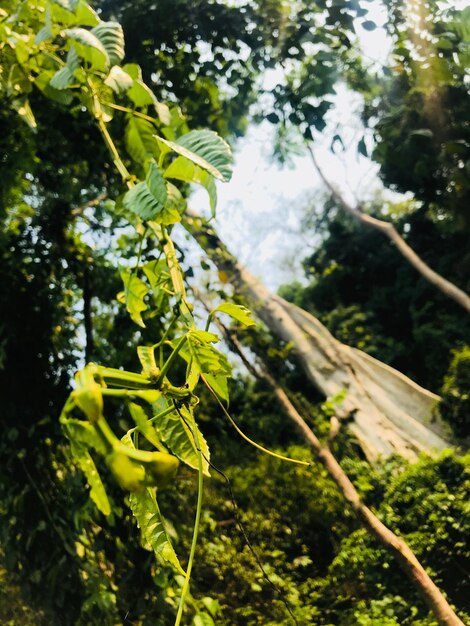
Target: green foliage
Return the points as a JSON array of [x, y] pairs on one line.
[[83, 569], [455, 406], [419, 111], [94, 446], [145, 508]]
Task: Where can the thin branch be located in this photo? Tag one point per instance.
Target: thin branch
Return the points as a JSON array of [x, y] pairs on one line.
[[389, 230]]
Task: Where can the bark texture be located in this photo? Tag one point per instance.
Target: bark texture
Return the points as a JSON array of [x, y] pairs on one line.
[[388, 229], [386, 411]]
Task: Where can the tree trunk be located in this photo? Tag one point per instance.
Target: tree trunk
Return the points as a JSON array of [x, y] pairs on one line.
[[386, 411], [389, 230]]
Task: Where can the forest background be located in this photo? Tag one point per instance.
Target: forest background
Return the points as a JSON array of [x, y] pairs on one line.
[[63, 563]]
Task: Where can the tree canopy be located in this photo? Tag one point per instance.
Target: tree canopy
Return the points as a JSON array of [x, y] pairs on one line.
[[100, 144]]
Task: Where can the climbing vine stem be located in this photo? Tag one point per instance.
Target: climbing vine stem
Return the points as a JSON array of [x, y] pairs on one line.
[[200, 489]]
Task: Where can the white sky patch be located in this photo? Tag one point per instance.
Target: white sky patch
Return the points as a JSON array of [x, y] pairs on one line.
[[260, 211]]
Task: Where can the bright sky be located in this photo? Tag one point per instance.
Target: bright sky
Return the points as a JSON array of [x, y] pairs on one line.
[[260, 210]]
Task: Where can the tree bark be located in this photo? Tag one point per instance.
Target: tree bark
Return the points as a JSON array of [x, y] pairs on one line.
[[389, 230], [390, 413], [405, 557]]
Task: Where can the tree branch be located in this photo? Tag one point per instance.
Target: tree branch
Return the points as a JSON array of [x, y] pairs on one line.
[[389, 230]]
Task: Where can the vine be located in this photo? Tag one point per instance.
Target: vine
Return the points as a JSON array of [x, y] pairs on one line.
[[62, 48]]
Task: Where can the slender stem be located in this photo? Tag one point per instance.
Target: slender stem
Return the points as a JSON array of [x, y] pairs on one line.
[[141, 243], [170, 360], [107, 436], [119, 107], [166, 333], [208, 323], [176, 276], [200, 486], [167, 411], [245, 437], [122, 393], [122, 169]]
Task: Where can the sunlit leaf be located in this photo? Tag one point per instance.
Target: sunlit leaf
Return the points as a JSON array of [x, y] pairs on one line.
[[87, 393], [147, 513], [140, 140], [84, 461], [135, 291], [111, 36], [118, 80], [146, 356], [203, 619], [208, 359], [176, 433], [237, 312], [88, 47], [62, 79], [219, 384], [86, 16], [206, 149], [187, 171]]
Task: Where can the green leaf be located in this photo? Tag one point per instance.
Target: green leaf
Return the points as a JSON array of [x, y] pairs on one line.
[[237, 312], [203, 619], [135, 291], [177, 436], [140, 94], [156, 183], [68, 5], [43, 83], [83, 459], [140, 418], [149, 519], [118, 80], [148, 199], [88, 47], [86, 16], [187, 171], [146, 356], [46, 31], [84, 433], [24, 110], [87, 393], [62, 79], [211, 605], [62, 13], [157, 273], [111, 36], [205, 356], [219, 385], [141, 201], [140, 140], [206, 149], [175, 204]]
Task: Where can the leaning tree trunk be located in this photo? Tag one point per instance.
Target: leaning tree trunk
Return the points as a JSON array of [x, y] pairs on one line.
[[386, 411]]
